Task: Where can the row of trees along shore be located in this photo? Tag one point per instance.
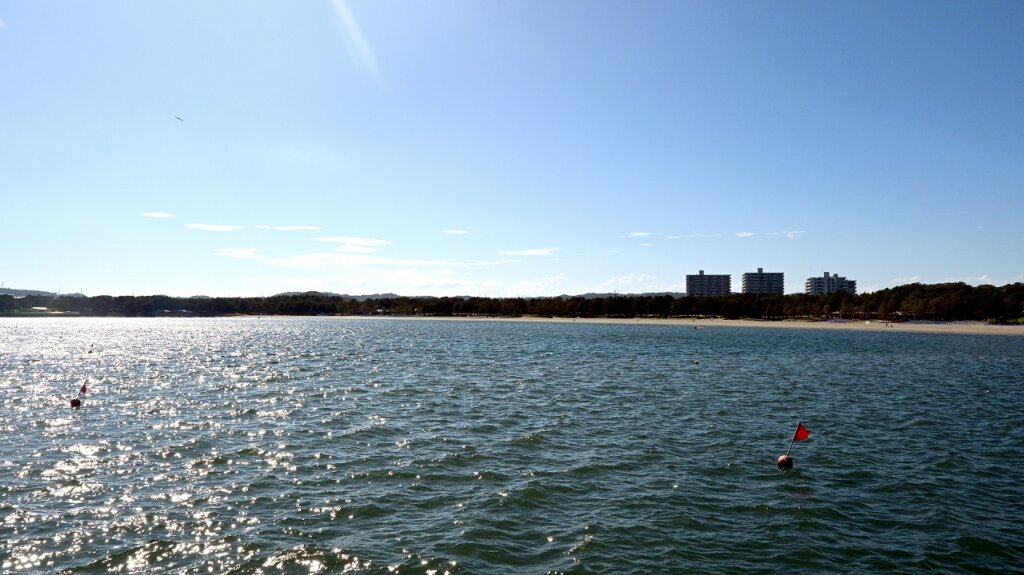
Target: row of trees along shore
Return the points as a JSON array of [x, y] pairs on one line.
[[914, 302]]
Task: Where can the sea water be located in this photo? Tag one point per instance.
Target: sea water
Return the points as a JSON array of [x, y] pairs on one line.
[[333, 445]]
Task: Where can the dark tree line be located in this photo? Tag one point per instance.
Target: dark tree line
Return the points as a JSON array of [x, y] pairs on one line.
[[949, 302]]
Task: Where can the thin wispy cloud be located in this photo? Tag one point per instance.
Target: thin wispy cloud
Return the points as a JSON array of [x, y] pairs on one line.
[[647, 245], [637, 235], [334, 260], [213, 227], [792, 235], [240, 253], [355, 249], [354, 245], [353, 240], [635, 283], [455, 232], [156, 215], [905, 280], [486, 263], [530, 252], [550, 284], [357, 44], [2, 25], [289, 228]]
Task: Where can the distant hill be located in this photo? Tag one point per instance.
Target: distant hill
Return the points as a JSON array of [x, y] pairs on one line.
[[360, 298], [469, 297], [341, 295], [608, 295], [34, 292]]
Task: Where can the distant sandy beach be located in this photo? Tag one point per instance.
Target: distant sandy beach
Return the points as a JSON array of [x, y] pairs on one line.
[[972, 328]]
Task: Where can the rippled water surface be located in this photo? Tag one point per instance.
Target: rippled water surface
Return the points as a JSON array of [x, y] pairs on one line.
[[392, 446]]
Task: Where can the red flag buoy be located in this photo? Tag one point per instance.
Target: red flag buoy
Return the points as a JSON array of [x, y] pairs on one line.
[[785, 462], [800, 434], [77, 402]]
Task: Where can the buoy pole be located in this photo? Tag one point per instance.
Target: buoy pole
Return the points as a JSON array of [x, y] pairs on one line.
[[791, 441], [785, 462]]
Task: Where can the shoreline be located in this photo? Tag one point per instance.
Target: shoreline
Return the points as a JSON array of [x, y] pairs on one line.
[[960, 328]]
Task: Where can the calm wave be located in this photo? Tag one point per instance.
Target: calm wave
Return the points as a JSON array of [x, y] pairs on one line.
[[389, 446]]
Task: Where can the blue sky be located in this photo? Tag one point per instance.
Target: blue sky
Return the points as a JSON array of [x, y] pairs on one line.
[[506, 148]]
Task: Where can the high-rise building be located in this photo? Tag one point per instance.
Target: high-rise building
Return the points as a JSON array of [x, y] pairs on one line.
[[829, 284], [701, 285], [764, 282]]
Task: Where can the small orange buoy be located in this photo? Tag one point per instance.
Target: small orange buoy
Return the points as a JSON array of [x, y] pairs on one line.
[[76, 403], [784, 462]]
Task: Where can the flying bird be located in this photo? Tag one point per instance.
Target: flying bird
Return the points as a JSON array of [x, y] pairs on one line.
[[179, 118]]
